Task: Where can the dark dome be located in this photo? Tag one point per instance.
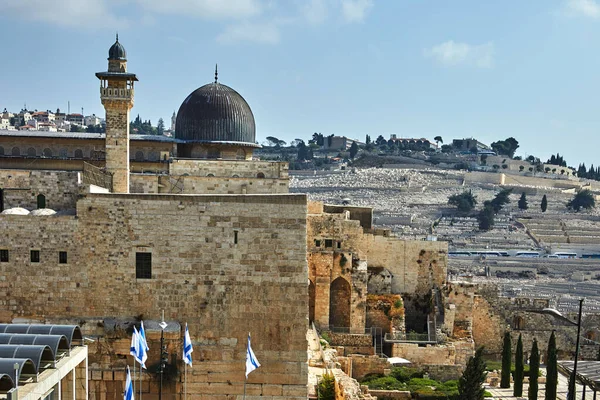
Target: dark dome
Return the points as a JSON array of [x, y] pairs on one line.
[[117, 51], [215, 113]]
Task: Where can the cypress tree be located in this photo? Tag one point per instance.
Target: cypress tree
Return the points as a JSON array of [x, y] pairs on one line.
[[523, 202], [470, 384], [534, 369], [551, 369], [544, 204], [518, 386], [506, 361]]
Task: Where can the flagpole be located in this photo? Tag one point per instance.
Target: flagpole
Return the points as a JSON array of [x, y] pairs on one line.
[[140, 381], [133, 380], [184, 381]]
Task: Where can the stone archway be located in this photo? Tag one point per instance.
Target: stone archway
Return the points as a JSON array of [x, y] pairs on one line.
[[339, 303], [311, 301]]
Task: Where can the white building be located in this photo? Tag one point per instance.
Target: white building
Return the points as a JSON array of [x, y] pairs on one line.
[[92, 120]]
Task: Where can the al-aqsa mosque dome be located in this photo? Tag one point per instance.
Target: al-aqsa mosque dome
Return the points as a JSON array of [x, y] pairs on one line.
[[215, 121]]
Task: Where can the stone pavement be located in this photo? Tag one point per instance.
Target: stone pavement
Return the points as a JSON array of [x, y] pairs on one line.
[[561, 395]]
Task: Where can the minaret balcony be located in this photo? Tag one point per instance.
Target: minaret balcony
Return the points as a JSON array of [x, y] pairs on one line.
[[116, 94]]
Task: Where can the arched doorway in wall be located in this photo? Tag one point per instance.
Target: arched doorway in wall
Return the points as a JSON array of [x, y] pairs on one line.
[[15, 151], [339, 303], [41, 201], [31, 152], [139, 156], [47, 152], [311, 301]]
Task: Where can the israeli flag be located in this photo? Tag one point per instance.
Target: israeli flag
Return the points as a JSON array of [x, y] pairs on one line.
[[187, 347], [251, 361], [128, 394], [143, 336], [139, 350], [134, 344]]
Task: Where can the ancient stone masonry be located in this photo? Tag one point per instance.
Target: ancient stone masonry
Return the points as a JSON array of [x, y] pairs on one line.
[[226, 265], [346, 256], [21, 188]]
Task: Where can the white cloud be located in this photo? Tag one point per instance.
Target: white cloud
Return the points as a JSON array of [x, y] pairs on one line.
[[451, 53], [587, 8], [355, 10], [266, 33], [71, 13], [206, 9], [315, 11]]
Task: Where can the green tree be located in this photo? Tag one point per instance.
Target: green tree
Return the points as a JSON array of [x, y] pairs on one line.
[[523, 202], [506, 361], [506, 147], [551, 369], [326, 387], [304, 151], [438, 140], [380, 140], [486, 217], [353, 150], [470, 384], [502, 198], [521, 168], [463, 202], [534, 370], [367, 140], [518, 377], [484, 159], [160, 127], [544, 204], [583, 199]]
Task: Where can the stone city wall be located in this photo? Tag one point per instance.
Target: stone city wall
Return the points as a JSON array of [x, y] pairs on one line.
[[230, 168], [153, 184], [199, 275], [451, 353], [416, 266], [21, 188]]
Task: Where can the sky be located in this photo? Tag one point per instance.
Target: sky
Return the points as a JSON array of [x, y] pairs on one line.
[[415, 68]]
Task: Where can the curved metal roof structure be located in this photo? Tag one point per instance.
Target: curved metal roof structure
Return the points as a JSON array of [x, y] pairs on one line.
[[6, 383], [41, 355], [71, 332], [58, 343], [216, 113], [25, 368]]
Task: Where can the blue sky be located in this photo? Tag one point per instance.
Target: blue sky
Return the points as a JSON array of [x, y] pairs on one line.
[[417, 68]]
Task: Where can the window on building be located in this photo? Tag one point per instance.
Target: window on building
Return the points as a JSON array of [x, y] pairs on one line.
[[47, 152], [139, 156], [1, 151], [62, 257], [15, 151], [34, 256], [328, 242], [317, 243], [339, 245], [235, 237], [3, 255], [31, 152], [143, 265], [41, 201], [78, 153], [260, 175]]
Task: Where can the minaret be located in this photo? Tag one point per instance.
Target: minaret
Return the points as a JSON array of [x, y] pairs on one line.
[[116, 93]]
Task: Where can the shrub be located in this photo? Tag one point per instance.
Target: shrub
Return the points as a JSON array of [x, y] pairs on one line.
[[405, 374], [386, 383]]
